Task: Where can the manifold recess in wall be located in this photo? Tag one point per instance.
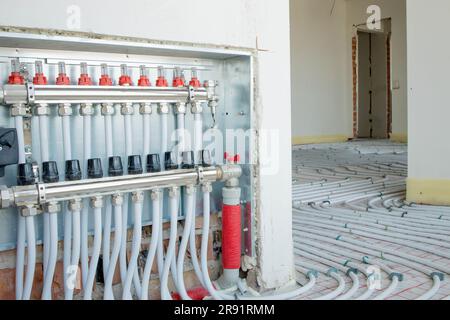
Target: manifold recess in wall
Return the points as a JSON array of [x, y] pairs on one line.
[[108, 136]]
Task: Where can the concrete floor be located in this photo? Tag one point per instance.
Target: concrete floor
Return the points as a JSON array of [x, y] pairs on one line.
[[356, 191]]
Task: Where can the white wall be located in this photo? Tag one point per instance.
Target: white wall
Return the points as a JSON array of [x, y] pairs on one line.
[[321, 60], [231, 22], [428, 81], [395, 9], [319, 69]]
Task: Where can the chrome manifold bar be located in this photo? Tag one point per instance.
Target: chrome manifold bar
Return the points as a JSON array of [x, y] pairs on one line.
[[71, 94], [41, 194]]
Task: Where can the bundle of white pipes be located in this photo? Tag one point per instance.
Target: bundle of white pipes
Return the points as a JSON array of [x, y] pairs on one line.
[[350, 215], [77, 211]]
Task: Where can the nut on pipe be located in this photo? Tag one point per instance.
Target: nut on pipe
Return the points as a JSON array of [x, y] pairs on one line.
[[6, 197]]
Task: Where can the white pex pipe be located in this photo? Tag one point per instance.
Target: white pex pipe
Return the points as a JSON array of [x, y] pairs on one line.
[[157, 222], [163, 148], [173, 207], [181, 134], [184, 243], [204, 248], [123, 249], [135, 246], [31, 259], [376, 212], [95, 253], [108, 294], [67, 214], [26, 230], [20, 255], [53, 255], [123, 239], [43, 131], [198, 146], [75, 257], [50, 221], [21, 225], [129, 152], [108, 207]]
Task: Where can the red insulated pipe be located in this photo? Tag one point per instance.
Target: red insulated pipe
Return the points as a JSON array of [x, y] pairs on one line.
[[231, 236]]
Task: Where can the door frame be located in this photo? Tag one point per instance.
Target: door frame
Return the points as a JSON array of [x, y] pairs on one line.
[[386, 23]]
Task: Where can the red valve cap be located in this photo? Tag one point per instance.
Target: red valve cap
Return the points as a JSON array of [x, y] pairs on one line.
[[195, 83], [62, 79], [144, 82], [105, 80], [125, 81], [15, 78], [177, 82], [84, 80], [162, 82], [40, 79]]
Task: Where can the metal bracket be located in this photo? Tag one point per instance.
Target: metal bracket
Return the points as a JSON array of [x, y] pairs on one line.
[[30, 92], [191, 97], [41, 193], [201, 177]]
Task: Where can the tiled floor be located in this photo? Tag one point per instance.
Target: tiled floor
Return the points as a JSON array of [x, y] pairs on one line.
[[354, 190]]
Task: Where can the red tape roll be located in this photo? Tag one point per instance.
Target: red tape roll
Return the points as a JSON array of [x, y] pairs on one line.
[[231, 236]]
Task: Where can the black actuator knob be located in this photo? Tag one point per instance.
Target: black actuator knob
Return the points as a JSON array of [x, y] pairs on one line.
[[115, 167], [153, 163], [188, 160], [170, 161], [73, 170], [95, 170], [135, 165], [25, 174], [205, 159], [50, 172]]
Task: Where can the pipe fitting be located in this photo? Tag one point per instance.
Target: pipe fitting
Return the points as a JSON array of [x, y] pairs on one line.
[[155, 194], [190, 190], [145, 108], [86, 109], [107, 109], [196, 107], [180, 108], [163, 108], [75, 205], [52, 207], [96, 202], [117, 200], [65, 110], [210, 86], [229, 171], [127, 109], [174, 192], [42, 110], [28, 211], [19, 110], [207, 187], [6, 197], [137, 197]]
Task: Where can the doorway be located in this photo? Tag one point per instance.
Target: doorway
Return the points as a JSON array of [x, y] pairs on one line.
[[374, 89]]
